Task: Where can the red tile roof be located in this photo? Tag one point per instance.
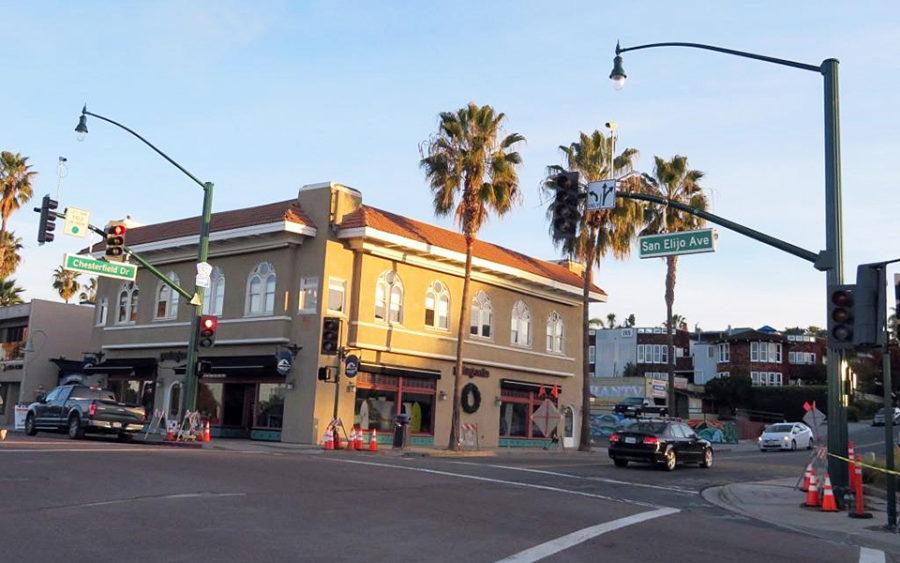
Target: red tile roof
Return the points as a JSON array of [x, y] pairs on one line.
[[288, 210], [378, 219]]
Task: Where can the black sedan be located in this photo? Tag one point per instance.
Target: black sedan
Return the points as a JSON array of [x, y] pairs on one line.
[[662, 442]]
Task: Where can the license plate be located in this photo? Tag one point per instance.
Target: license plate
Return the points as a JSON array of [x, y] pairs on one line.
[[630, 440], [117, 425]]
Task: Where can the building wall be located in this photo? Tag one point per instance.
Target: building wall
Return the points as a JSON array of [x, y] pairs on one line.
[[616, 348]]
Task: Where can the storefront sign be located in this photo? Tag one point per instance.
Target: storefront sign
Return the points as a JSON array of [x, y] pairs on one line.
[[351, 365], [284, 361], [474, 372]]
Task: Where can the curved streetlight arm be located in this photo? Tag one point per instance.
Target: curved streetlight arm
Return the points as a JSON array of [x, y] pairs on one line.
[[148, 143], [784, 62]]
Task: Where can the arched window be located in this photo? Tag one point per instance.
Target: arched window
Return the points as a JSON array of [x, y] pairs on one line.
[[214, 298], [481, 316], [520, 325], [437, 306], [555, 333], [128, 302], [389, 298], [102, 311], [261, 290], [167, 299]]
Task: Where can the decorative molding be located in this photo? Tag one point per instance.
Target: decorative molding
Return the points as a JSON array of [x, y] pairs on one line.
[[254, 319], [234, 342], [133, 326]]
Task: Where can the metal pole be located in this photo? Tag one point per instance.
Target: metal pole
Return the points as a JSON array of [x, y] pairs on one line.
[[190, 372], [837, 414], [888, 417]]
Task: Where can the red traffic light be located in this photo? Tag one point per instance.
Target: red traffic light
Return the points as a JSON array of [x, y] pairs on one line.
[[842, 298], [117, 230], [209, 323], [208, 326]]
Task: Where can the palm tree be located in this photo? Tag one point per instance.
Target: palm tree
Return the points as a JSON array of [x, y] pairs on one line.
[[677, 320], [65, 282], [10, 293], [11, 257], [88, 292], [611, 320], [600, 232], [630, 321], [596, 322], [471, 170], [15, 188], [673, 180]]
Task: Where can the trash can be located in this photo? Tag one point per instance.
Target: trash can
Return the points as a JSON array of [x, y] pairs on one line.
[[401, 431]]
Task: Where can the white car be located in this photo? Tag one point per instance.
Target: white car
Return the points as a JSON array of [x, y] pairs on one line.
[[786, 436]]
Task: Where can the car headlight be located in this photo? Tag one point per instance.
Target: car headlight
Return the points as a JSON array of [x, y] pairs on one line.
[[759, 439], [786, 438]]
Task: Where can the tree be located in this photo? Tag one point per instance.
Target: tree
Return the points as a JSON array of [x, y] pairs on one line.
[[15, 189], [65, 282], [88, 292], [471, 170], [677, 320], [12, 257], [611, 320], [596, 323], [599, 233], [673, 180], [10, 294], [630, 321], [730, 392]]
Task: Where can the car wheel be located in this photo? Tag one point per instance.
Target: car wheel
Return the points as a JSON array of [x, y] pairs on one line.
[[707, 458], [30, 427], [793, 445], [124, 437], [76, 432], [810, 444], [670, 461], [621, 462]]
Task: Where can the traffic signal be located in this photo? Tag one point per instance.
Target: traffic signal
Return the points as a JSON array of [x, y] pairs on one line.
[[871, 305], [331, 334], [840, 316], [48, 219], [115, 241], [208, 326], [566, 208]]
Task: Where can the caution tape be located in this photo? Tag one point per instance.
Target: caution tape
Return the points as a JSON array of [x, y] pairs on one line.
[[857, 462]]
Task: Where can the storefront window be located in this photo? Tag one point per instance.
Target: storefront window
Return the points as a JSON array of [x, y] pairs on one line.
[[270, 405], [209, 401], [375, 409], [3, 391], [517, 407], [379, 398], [514, 419], [134, 392], [175, 401], [420, 409]]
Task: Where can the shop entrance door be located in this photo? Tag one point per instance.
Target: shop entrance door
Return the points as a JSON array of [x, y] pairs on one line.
[[237, 409]]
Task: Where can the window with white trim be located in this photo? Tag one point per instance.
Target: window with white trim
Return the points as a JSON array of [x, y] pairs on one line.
[[723, 353], [102, 312], [555, 333], [388, 298], [437, 306], [652, 353], [766, 378], [128, 304], [802, 357], [520, 324], [214, 298], [336, 290], [261, 290], [167, 299], [723, 374], [480, 320], [309, 294], [765, 352]]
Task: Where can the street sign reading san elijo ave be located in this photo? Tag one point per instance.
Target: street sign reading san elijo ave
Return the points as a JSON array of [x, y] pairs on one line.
[[88, 265], [673, 244]]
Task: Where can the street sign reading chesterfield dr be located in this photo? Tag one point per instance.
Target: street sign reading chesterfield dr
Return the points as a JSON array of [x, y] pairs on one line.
[[88, 265], [672, 244]]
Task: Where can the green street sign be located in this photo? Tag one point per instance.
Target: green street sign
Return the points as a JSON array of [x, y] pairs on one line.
[[88, 265], [674, 244]]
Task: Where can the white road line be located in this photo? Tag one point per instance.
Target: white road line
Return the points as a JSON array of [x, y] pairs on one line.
[[76, 450], [552, 547], [868, 555], [492, 480], [166, 497], [583, 477]]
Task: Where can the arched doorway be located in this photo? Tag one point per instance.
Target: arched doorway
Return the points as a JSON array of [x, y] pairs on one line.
[[568, 426]]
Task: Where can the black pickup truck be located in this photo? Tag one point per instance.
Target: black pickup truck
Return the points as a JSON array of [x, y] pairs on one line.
[[639, 406], [77, 409]]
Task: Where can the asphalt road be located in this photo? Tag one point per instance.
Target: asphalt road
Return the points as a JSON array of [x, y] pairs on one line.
[[96, 500]]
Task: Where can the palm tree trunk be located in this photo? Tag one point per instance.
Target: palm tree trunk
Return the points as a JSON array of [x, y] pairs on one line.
[[453, 443], [671, 265], [3, 222], [584, 443]]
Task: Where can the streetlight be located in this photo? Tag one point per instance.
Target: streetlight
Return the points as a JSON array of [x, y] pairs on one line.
[[831, 260], [190, 377]]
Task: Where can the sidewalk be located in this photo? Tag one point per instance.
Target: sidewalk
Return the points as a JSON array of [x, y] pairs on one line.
[[777, 502]]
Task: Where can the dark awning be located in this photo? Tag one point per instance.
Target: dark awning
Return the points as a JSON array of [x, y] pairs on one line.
[[124, 367], [398, 370], [528, 386], [243, 366]]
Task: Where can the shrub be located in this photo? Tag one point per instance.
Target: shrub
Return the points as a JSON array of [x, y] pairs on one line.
[[865, 408], [788, 400]]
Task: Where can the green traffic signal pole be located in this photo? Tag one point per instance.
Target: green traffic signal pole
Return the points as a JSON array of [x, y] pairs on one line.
[[832, 259], [190, 378]]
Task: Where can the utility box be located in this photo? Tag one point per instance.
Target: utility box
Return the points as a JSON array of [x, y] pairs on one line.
[[401, 431]]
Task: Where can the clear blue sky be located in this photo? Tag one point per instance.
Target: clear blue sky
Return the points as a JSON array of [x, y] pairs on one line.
[[263, 97]]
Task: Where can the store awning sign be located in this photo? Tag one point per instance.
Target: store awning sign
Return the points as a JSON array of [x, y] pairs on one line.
[[351, 365], [283, 362]]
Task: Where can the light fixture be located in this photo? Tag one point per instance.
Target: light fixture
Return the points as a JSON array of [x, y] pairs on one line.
[[442, 396], [618, 75], [81, 129], [497, 401], [351, 387]]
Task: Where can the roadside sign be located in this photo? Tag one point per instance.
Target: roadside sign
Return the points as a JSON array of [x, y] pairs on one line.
[[76, 224], [674, 244], [351, 365], [88, 265], [546, 417], [202, 281], [601, 195], [203, 275]]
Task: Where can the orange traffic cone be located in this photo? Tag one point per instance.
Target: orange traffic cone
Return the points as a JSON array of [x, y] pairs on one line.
[[373, 441], [851, 456], [859, 510], [337, 440], [170, 432], [207, 437], [805, 485], [812, 495], [328, 440], [828, 502]]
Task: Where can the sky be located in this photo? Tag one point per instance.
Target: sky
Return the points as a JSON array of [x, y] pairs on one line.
[[264, 97]]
